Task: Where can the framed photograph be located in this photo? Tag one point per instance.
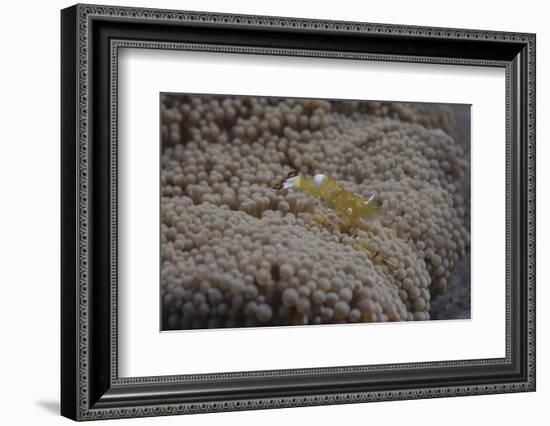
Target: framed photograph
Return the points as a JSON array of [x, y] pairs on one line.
[[263, 212]]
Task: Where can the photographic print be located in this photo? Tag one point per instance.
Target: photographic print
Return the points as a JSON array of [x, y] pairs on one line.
[[289, 211]]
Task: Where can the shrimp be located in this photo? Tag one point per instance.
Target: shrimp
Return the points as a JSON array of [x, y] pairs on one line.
[[352, 208]]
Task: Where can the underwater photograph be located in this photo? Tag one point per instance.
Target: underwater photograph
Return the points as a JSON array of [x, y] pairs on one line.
[[291, 211]]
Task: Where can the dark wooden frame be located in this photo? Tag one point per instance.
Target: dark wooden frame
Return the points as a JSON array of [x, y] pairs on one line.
[[90, 386]]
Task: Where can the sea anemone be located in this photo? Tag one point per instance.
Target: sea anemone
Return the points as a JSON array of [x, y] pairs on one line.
[[237, 253]]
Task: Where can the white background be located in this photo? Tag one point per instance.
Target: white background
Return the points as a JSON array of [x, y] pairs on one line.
[[146, 352], [29, 229]]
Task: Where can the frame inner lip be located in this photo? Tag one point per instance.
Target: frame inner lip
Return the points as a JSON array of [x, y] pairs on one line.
[[336, 370]]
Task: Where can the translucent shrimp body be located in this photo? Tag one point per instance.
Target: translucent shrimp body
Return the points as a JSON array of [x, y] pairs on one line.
[[348, 205]]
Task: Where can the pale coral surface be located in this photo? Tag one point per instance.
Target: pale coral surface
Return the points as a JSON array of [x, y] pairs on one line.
[[235, 252]]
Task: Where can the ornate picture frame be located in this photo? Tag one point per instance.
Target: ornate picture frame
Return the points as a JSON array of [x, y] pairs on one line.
[[91, 37]]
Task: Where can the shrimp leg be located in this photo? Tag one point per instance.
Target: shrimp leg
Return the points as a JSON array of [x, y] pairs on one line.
[[373, 253]]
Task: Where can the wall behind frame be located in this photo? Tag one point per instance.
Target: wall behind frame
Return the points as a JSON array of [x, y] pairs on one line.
[[30, 228]]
